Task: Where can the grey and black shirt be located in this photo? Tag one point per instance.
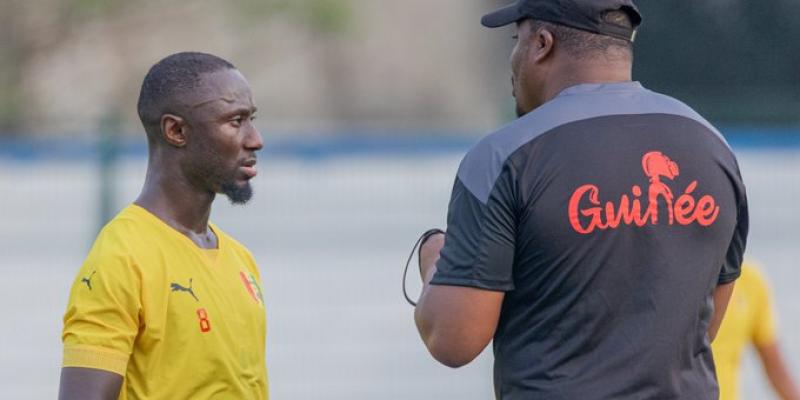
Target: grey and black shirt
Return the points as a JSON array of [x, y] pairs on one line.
[[608, 216]]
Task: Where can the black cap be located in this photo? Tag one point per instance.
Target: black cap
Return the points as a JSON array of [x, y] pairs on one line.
[[586, 15]]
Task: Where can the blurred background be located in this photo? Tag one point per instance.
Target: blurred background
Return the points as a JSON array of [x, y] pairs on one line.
[[366, 108]]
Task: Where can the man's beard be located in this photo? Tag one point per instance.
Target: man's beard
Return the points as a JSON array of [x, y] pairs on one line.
[[520, 112], [238, 195]]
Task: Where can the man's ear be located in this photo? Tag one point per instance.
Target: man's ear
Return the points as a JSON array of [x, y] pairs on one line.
[[174, 130], [543, 44]]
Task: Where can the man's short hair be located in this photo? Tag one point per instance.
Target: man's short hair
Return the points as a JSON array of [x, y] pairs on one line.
[[170, 79], [583, 44]]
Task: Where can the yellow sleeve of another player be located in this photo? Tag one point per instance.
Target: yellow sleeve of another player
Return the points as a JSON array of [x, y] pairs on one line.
[[102, 317], [764, 329]]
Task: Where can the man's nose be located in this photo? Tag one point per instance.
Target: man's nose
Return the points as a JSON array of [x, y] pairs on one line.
[[253, 141]]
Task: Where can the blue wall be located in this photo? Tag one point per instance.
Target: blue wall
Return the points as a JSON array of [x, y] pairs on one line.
[[336, 144]]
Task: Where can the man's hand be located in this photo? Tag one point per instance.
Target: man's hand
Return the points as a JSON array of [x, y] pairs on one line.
[[456, 323], [428, 255]]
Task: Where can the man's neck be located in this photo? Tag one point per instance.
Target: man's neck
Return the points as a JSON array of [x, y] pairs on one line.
[[577, 74], [173, 200]]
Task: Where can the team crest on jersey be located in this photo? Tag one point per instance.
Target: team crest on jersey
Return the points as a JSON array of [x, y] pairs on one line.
[[252, 287], [586, 213]]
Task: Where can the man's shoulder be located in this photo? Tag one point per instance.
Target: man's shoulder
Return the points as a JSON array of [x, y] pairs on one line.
[[127, 224], [483, 163], [132, 217], [676, 107], [131, 233], [232, 243], [238, 251], [115, 249], [583, 102]]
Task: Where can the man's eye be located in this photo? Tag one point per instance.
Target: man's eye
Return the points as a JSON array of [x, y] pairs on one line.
[[236, 121], [253, 117]]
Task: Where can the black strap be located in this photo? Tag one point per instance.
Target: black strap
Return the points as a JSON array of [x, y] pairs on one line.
[[420, 242]]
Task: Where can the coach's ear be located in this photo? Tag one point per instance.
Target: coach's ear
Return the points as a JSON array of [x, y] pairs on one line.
[[543, 44], [173, 128]]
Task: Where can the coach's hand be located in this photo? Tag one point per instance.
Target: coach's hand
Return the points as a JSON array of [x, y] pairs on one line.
[[455, 322], [429, 254]]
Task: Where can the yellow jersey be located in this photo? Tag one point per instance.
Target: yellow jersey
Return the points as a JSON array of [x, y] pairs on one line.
[[749, 319], [175, 320]]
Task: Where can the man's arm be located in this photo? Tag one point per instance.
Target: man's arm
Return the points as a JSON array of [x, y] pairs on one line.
[[722, 296], [777, 372], [88, 384], [106, 289], [456, 323]]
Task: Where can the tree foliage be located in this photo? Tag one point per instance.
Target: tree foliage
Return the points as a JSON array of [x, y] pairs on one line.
[[737, 61]]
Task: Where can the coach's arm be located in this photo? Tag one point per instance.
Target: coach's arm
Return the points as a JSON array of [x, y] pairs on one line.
[[456, 323], [88, 384]]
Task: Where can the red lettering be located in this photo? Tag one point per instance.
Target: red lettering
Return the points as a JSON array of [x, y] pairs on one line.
[[636, 209], [685, 205], [707, 211], [594, 212], [685, 210], [625, 214], [613, 218], [205, 324]]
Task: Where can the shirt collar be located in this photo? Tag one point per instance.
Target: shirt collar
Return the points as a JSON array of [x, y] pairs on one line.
[[601, 87]]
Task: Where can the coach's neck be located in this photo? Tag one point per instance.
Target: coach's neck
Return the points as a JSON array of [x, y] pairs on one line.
[[568, 71]]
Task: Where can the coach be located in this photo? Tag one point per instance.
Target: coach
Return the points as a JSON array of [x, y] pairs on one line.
[[596, 238]]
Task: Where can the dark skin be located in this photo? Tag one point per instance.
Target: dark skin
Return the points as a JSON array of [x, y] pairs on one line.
[[777, 371], [210, 148], [456, 323], [214, 144]]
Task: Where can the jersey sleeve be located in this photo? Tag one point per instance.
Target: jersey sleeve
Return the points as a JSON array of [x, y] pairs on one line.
[[480, 240], [102, 318], [732, 267], [763, 332]]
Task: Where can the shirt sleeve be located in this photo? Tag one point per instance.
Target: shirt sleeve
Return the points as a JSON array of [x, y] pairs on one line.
[[102, 318], [764, 325], [732, 267], [480, 240]]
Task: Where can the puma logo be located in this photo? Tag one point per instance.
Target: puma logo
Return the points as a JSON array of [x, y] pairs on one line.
[[88, 281], [178, 288]]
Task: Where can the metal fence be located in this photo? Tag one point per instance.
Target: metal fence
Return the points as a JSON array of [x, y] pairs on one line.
[[330, 229]]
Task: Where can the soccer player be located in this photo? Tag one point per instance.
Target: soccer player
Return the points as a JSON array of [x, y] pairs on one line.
[[166, 305], [596, 239], [750, 319]]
